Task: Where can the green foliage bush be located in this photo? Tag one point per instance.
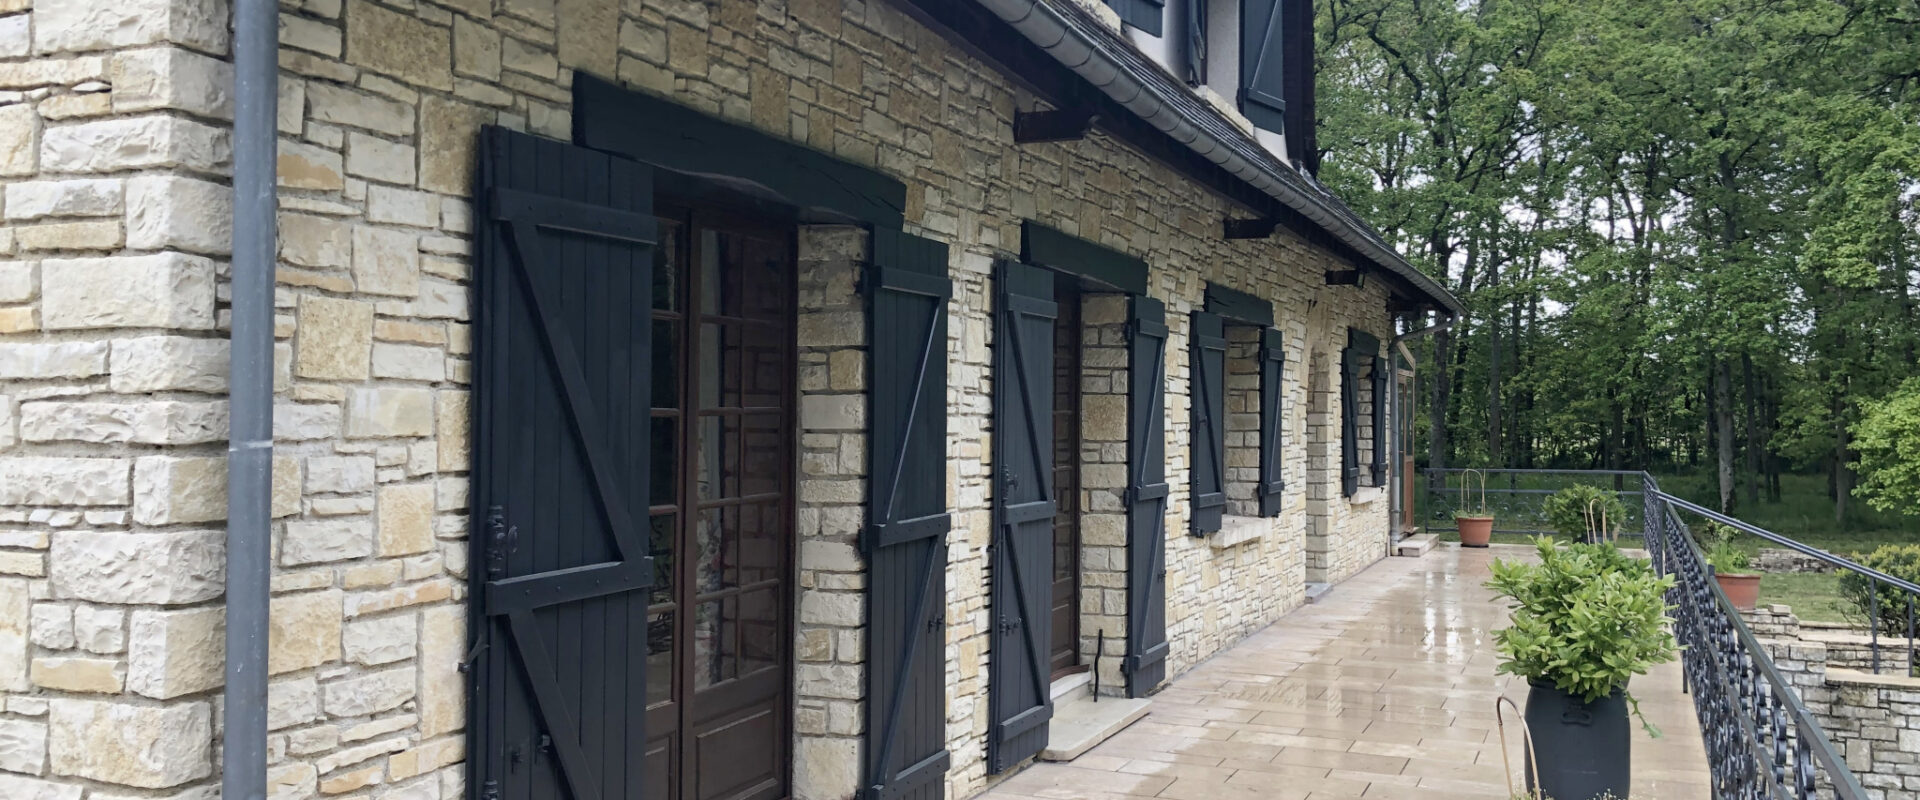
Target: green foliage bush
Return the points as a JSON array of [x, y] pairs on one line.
[[1899, 560], [1577, 512], [1888, 440], [1586, 618], [1727, 559]]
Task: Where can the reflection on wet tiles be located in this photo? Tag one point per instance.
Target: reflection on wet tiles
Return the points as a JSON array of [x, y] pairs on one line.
[[1385, 689]]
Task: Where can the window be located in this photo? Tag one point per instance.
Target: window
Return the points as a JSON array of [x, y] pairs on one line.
[[1363, 413], [1237, 402]]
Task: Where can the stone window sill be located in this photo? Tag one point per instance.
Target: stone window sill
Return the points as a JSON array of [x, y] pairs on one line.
[[1235, 531], [1366, 496]]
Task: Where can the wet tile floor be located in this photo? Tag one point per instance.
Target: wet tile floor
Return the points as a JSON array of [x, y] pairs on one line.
[[1383, 689]]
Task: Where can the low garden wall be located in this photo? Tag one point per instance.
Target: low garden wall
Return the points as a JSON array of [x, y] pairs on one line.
[[1873, 719], [1780, 559]]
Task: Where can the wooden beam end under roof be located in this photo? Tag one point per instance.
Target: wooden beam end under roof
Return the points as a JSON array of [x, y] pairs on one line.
[[1250, 228], [1058, 125]]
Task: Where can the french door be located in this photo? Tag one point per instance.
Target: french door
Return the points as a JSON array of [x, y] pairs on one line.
[[721, 513]]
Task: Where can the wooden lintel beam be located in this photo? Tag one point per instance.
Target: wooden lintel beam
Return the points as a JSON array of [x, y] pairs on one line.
[[1250, 228], [1058, 125]]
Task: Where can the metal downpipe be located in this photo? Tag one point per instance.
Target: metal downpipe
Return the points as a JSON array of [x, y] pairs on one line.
[[256, 42]]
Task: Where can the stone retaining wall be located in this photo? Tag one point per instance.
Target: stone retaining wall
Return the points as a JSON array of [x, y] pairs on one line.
[[1780, 559], [1872, 719]]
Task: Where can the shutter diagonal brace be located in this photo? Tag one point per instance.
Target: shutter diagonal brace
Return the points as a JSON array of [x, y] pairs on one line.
[[1249, 80], [531, 648], [921, 594]]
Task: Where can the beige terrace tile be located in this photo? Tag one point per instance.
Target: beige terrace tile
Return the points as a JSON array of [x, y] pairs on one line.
[[1385, 690]]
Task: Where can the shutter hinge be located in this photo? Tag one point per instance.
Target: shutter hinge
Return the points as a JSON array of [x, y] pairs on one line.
[[490, 790]]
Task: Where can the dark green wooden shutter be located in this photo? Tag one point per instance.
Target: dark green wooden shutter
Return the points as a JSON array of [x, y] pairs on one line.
[[562, 284], [1142, 14], [905, 541], [1021, 578], [1381, 437], [1356, 362], [1273, 395], [1196, 29], [1262, 92], [1208, 384], [1146, 658]]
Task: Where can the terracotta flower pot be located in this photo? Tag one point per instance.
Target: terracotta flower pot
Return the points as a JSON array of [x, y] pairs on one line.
[[1743, 590], [1475, 531]]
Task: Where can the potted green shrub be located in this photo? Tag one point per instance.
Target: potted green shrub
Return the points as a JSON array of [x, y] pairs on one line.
[[1476, 526], [1585, 620], [1730, 565], [1585, 513]]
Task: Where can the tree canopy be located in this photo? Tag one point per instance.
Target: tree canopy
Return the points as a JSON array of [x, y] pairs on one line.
[[1687, 231]]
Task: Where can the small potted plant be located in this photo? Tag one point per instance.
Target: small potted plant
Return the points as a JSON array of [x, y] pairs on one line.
[[1586, 619], [1584, 513], [1476, 526], [1729, 563]]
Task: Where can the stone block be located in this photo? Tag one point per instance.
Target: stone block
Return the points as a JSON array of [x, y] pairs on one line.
[[304, 631], [23, 747], [168, 363], [52, 626], [86, 675], [17, 283], [426, 758], [368, 693], [321, 541], [101, 630], [409, 362], [81, 197], [334, 339], [386, 411], [151, 422], [379, 159], [305, 166], [168, 568], [833, 412], [443, 642], [51, 361], [453, 432], [171, 78], [341, 106], [165, 290], [341, 474], [64, 481], [122, 143], [401, 45], [19, 140], [293, 702], [403, 206], [386, 261], [150, 747], [174, 653], [20, 787], [14, 635], [171, 212], [169, 490], [309, 34], [87, 235], [84, 25], [380, 640], [406, 519], [313, 241]]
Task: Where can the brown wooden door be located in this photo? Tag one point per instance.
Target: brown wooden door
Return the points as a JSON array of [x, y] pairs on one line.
[[719, 710], [1064, 653]]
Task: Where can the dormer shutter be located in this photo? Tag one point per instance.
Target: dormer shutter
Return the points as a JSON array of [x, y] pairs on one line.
[[1197, 42], [1262, 94], [1142, 14]]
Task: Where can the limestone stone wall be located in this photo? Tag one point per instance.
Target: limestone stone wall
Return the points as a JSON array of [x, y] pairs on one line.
[[114, 155], [1872, 719]]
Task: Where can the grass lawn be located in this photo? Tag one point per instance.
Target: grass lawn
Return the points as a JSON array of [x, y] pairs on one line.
[[1814, 596]]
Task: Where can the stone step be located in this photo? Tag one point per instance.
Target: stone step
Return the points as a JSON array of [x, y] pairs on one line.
[[1065, 686], [1079, 723], [1415, 546], [1315, 591]]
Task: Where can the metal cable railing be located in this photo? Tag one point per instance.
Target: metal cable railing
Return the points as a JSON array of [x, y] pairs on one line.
[[1761, 740], [1517, 497]]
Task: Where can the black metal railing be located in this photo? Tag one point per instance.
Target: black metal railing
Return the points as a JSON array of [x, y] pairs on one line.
[[1761, 740], [1516, 496]]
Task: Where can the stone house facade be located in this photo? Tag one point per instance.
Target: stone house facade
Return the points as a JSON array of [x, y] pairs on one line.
[[392, 424]]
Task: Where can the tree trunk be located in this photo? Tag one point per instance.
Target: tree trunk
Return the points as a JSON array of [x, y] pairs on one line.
[[1723, 431], [1753, 448]]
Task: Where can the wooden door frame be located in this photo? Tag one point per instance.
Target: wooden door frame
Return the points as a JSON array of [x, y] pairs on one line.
[[697, 216]]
